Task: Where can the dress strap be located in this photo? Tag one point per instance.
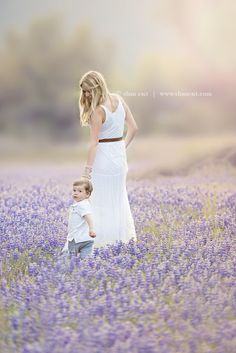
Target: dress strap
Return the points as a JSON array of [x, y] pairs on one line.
[[108, 110]]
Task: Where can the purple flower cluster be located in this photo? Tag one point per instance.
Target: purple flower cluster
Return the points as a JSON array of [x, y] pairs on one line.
[[172, 291]]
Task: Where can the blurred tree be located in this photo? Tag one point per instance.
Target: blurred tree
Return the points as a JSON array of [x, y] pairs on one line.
[[38, 76]]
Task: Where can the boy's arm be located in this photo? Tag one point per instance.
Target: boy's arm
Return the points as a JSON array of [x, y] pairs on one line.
[[89, 220]]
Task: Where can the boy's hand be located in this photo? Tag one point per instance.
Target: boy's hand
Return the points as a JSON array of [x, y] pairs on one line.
[[92, 234]]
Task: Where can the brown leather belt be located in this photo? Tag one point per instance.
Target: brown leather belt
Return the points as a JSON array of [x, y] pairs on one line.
[[111, 139]]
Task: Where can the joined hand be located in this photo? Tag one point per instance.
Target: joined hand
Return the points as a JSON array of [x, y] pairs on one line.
[[92, 234]]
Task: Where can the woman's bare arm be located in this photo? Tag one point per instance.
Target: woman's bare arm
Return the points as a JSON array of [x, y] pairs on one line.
[[95, 127], [131, 124]]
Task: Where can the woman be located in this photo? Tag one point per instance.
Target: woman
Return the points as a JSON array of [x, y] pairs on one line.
[[106, 114]]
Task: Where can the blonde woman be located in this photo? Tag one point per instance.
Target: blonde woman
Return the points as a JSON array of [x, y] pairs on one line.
[[106, 114]]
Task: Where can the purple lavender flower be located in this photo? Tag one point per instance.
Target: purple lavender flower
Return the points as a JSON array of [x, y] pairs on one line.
[[171, 291]]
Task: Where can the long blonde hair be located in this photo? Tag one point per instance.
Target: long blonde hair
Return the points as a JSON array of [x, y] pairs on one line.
[[95, 83]]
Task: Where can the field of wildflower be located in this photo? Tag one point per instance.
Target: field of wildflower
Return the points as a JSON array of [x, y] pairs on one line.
[[173, 291]]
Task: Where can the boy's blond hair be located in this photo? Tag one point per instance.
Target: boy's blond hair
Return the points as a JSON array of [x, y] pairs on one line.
[[86, 183]]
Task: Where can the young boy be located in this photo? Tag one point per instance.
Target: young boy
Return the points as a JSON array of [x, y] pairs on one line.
[[80, 222]]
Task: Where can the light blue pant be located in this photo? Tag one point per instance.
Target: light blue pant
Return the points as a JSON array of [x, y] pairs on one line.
[[83, 248]]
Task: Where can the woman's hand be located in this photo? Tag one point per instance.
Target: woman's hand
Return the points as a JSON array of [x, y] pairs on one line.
[[92, 234], [87, 172]]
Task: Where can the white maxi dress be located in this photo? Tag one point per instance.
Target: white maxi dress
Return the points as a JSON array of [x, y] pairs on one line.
[[112, 217]]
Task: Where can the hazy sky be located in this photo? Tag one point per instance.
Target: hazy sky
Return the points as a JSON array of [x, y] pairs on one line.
[[205, 28], [123, 21]]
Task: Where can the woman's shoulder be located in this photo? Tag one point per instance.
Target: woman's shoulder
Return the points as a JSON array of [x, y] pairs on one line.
[[98, 113], [98, 109], [121, 99], [117, 96]]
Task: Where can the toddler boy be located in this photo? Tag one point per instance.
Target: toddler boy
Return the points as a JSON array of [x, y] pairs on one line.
[[80, 222]]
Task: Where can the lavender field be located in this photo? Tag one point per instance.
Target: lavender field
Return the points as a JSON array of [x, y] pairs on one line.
[[173, 291]]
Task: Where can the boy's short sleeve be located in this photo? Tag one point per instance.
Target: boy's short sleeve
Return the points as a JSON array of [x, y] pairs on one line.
[[84, 208]]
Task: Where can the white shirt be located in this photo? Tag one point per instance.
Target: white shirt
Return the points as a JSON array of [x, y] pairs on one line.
[[78, 228]]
